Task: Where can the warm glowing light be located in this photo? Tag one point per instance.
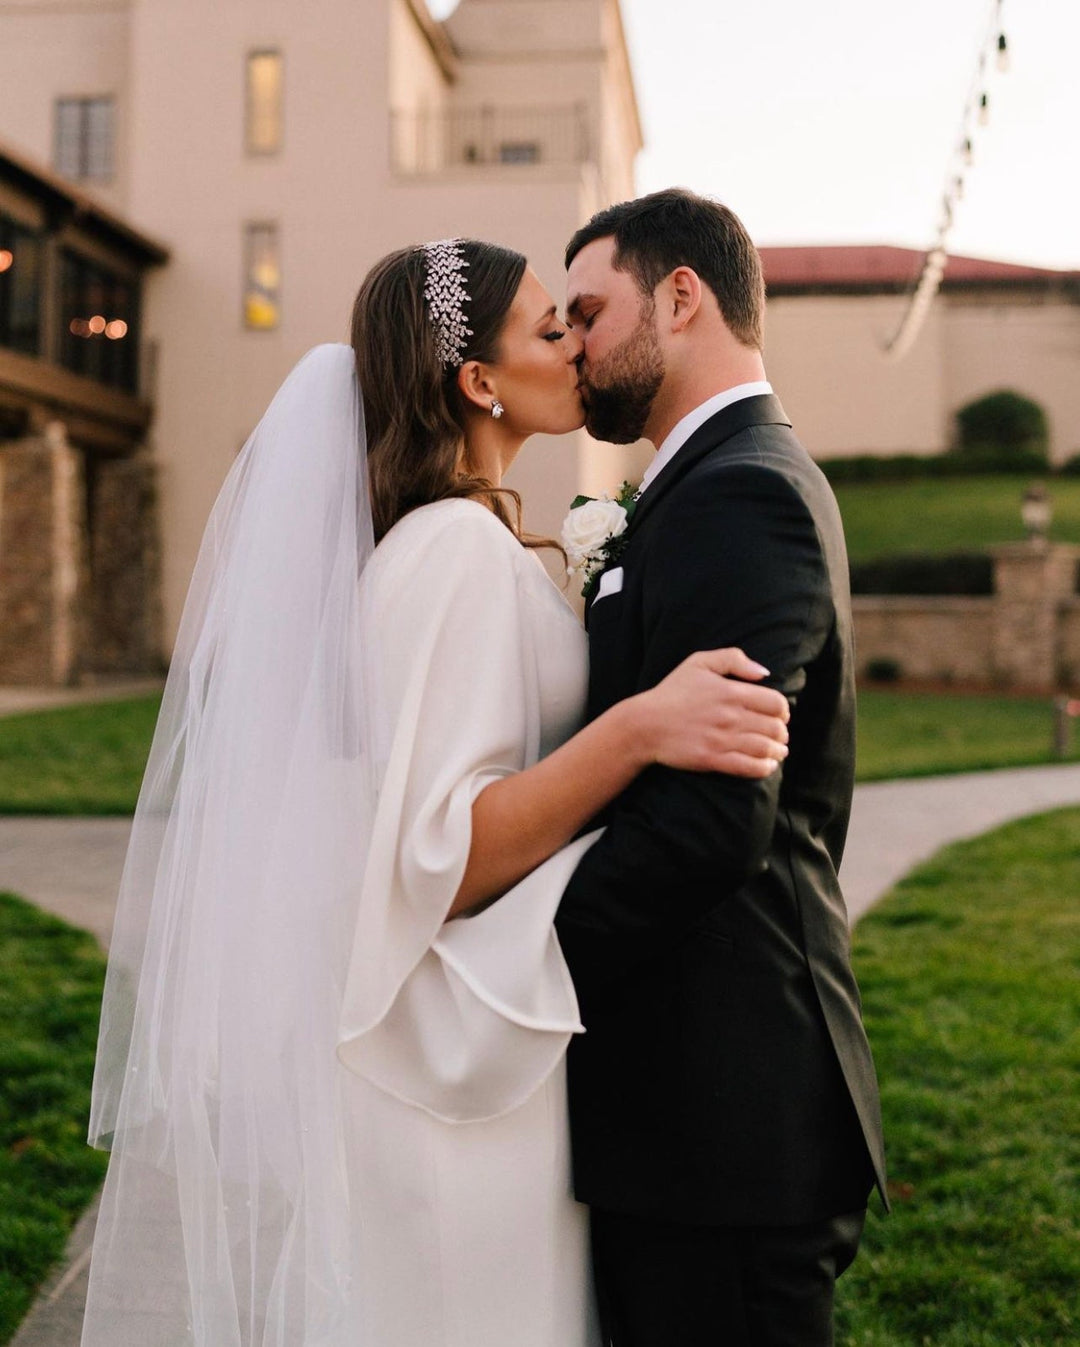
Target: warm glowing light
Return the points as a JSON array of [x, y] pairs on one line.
[[260, 312], [6, 259], [116, 329], [97, 325], [79, 327], [1002, 53], [984, 109]]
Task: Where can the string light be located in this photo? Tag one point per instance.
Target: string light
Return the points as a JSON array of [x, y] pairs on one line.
[[1002, 54], [976, 109]]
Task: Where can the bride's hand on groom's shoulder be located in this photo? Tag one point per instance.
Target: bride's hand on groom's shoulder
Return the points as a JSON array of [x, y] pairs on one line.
[[709, 715]]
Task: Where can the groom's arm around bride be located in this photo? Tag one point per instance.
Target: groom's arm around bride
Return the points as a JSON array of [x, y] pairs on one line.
[[724, 1106]]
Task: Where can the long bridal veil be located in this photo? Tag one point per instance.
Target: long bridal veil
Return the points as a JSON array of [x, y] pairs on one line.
[[225, 1215]]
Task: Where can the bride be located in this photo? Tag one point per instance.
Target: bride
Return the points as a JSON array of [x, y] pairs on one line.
[[330, 1060]]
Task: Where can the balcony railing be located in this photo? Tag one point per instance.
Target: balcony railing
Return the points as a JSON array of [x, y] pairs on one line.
[[427, 141]]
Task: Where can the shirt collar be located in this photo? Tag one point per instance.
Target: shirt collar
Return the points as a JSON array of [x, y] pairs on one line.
[[683, 429]]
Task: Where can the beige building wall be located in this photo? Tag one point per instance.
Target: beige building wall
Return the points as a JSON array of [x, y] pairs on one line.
[[825, 356], [826, 360], [50, 51], [1030, 345]]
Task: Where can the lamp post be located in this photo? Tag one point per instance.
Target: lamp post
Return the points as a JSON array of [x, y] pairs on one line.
[[1036, 511]]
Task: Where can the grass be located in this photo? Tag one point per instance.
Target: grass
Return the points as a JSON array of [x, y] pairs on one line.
[[51, 978], [77, 759], [957, 514], [90, 759], [972, 1003], [922, 733]]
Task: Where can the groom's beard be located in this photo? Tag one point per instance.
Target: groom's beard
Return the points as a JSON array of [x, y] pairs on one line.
[[619, 392]]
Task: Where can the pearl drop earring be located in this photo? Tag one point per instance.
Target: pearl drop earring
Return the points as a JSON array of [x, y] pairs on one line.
[[497, 409]]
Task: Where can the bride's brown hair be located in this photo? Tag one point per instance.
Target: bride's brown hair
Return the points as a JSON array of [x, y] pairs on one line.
[[413, 410]]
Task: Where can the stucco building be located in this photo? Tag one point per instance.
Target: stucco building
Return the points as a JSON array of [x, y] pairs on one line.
[[256, 158], [993, 325]]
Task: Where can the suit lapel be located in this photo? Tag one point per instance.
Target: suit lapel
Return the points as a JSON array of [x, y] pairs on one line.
[[764, 409]]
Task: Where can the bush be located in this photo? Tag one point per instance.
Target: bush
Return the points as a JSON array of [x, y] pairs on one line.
[[1071, 467], [1003, 422], [884, 670], [954, 573]]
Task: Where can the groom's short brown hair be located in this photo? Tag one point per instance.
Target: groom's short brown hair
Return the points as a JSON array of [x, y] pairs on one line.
[[676, 228]]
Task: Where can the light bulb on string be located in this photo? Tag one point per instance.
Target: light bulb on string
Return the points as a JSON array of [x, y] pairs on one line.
[[958, 189], [1002, 53], [984, 109], [968, 151]]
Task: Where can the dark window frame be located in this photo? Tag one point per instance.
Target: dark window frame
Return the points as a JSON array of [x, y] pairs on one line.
[[21, 318], [85, 151], [89, 288]]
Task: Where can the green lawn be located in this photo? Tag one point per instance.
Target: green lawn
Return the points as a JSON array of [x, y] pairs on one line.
[[972, 1003], [50, 990], [89, 759], [76, 760], [921, 733], [947, 514]]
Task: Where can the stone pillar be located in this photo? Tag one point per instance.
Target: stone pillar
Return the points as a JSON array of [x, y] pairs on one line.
[[1033, 582], [125, 565], [42, 559]]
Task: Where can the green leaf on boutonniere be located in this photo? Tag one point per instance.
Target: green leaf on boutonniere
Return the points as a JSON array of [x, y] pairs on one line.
[[579, 501]]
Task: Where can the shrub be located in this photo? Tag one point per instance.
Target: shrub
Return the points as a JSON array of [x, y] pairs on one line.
[[883, 670], [1003, 422], [954, 573]]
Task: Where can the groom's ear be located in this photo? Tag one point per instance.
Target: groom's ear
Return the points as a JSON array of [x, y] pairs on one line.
[[475, 385], [682, 297]]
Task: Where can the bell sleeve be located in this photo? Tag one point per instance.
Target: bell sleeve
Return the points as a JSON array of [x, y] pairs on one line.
[[464, 1019]]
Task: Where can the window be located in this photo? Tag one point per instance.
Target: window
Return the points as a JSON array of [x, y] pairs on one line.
[[99, 338], [20, 287], [262, 277], [519, 152], [265, 100], [84, 138]]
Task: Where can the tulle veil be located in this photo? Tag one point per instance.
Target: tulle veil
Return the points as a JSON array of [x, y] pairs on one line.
[[225, 1217]]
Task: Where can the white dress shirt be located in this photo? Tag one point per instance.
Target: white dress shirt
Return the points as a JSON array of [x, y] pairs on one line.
[[683, 429]]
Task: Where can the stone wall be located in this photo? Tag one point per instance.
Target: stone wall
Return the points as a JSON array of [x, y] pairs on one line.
[[932, 639], [42, 559], [79, 587], [1027, 635], [125, 563]]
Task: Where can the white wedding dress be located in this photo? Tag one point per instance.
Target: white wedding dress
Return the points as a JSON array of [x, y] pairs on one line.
[[453, 1035]]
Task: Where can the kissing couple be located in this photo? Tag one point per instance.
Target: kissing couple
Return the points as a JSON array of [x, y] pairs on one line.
[[477, 981]]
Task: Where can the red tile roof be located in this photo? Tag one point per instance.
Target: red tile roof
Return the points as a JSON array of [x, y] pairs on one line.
[[870, 267]]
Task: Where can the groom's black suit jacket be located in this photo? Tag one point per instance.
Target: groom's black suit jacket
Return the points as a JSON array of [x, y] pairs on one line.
[[724, 1076]]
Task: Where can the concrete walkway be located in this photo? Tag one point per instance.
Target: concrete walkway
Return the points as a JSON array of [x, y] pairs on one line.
[[16, 700], [72, 867]]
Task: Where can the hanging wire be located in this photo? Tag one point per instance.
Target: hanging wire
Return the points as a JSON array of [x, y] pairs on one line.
[[976, 114]]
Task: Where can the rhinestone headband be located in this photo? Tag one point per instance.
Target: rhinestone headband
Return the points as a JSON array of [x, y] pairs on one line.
[[446, 298]]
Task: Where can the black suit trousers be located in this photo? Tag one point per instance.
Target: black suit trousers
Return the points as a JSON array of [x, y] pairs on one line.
[[665, 1284]]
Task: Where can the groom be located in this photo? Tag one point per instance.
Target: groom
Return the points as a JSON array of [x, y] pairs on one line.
[[724, 1108]]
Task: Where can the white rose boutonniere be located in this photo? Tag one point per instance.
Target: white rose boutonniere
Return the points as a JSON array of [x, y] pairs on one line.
[[593, 534]]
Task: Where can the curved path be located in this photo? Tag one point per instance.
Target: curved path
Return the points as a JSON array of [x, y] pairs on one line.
[[72, 867]]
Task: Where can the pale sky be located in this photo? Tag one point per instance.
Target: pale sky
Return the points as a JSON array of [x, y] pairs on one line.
[[834, 122]]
